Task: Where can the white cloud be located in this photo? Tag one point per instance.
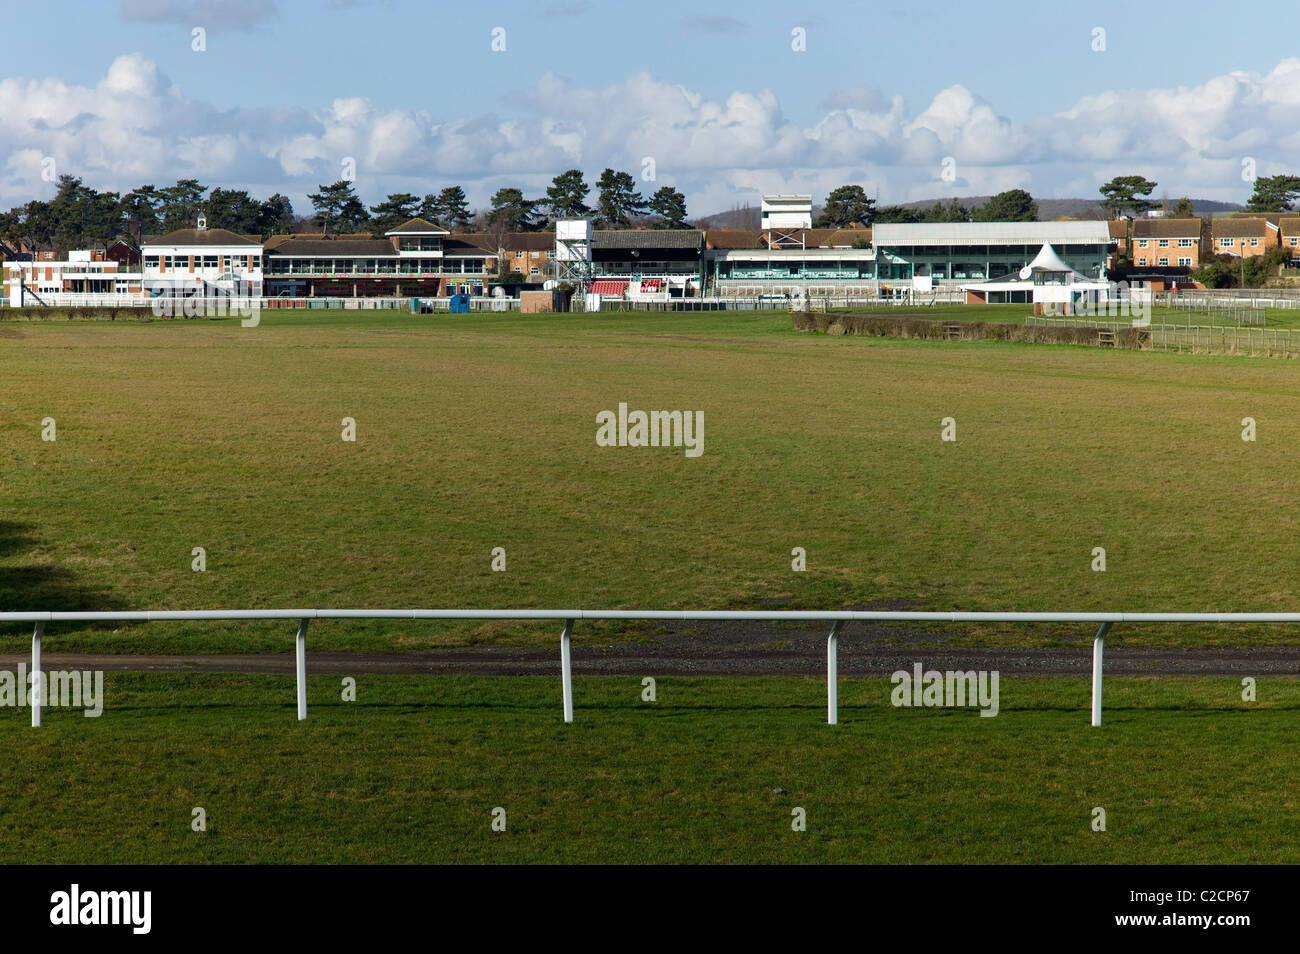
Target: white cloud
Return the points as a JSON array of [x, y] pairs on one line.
[[135, 126]]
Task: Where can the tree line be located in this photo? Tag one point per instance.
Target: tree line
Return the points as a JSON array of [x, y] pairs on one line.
[[1123, 195], [79, 215]]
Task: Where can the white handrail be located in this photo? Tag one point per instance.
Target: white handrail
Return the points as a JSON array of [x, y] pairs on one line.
[[837, 617]]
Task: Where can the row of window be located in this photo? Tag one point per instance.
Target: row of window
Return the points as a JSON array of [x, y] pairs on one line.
[[1229, 243], [1164, 243], [1165, 261], [168, 262]]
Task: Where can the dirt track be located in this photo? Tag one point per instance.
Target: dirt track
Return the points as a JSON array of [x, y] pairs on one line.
[[725, 649]]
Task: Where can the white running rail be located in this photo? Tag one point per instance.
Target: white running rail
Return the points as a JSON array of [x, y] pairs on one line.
[[836, 617]]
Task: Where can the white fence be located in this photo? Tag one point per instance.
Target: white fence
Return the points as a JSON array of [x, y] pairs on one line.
[[837, 619]]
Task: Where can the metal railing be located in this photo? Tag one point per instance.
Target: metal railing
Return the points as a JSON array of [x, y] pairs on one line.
[[837, 619]]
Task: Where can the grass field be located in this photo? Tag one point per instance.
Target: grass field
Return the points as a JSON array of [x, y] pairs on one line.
[[477, 432], [411, 772]]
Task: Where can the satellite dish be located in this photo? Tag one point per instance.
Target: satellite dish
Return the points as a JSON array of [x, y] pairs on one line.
[[1025, 273]]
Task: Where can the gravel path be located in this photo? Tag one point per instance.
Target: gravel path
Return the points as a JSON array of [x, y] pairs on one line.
[[724, 649]]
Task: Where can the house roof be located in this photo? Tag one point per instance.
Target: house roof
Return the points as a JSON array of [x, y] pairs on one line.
[[1167, 228], [1270, 216], [480, 243], [1118, 229], [1289, 224], [647, 238], [474, 243], [530, 241], [1239, 228], [417, 226], [844, 238], [202, 238], [731, 238]]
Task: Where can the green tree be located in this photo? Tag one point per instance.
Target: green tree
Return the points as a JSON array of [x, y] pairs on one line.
[[619, 201], [399, 207], [1258, 269], [275, 216], [1218, 272], [232, 209], [79, 215], [1014, 205], [1122, 194], [1183, 208], [952, 211], [670, 206], [1274, 194], [32, 225], [512, 211], [180, 204], [845, 206], [140, 212], [337, 205], [566, 195], [896, 215], [447, 208]]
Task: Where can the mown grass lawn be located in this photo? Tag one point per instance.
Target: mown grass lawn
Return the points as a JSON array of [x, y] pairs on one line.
[[411, 772], [478, 432]]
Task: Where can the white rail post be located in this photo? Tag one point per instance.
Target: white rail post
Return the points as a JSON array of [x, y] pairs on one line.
[[35, 697], [1098, 650], [301, 647], [566, 669], [833, 675]]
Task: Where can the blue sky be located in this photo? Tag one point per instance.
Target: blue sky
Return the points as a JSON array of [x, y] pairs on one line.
[[713, 93]]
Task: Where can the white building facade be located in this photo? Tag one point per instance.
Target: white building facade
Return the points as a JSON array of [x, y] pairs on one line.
[[202, 262]]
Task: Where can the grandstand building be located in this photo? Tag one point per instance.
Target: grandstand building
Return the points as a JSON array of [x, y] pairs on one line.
[[408, 260], [48, 281], [637, 263], [950, 253], [202, 261], [836, 262]]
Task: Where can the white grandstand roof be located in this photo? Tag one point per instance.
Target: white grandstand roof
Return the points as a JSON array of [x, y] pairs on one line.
[[992, 233]]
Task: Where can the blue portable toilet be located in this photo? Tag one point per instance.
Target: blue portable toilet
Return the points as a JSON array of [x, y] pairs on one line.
[[459, 304]]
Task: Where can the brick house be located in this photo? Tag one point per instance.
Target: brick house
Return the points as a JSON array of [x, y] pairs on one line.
[[1164, 243], [1244, 237]]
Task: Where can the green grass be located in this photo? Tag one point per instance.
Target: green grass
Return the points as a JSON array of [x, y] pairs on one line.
[[479, 431], [411, 772]]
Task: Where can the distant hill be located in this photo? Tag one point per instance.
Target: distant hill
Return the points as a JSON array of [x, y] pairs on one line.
[[747, 217], [740, 217]]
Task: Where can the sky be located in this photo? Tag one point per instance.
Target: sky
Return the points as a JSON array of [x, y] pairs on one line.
[[724, 101]]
